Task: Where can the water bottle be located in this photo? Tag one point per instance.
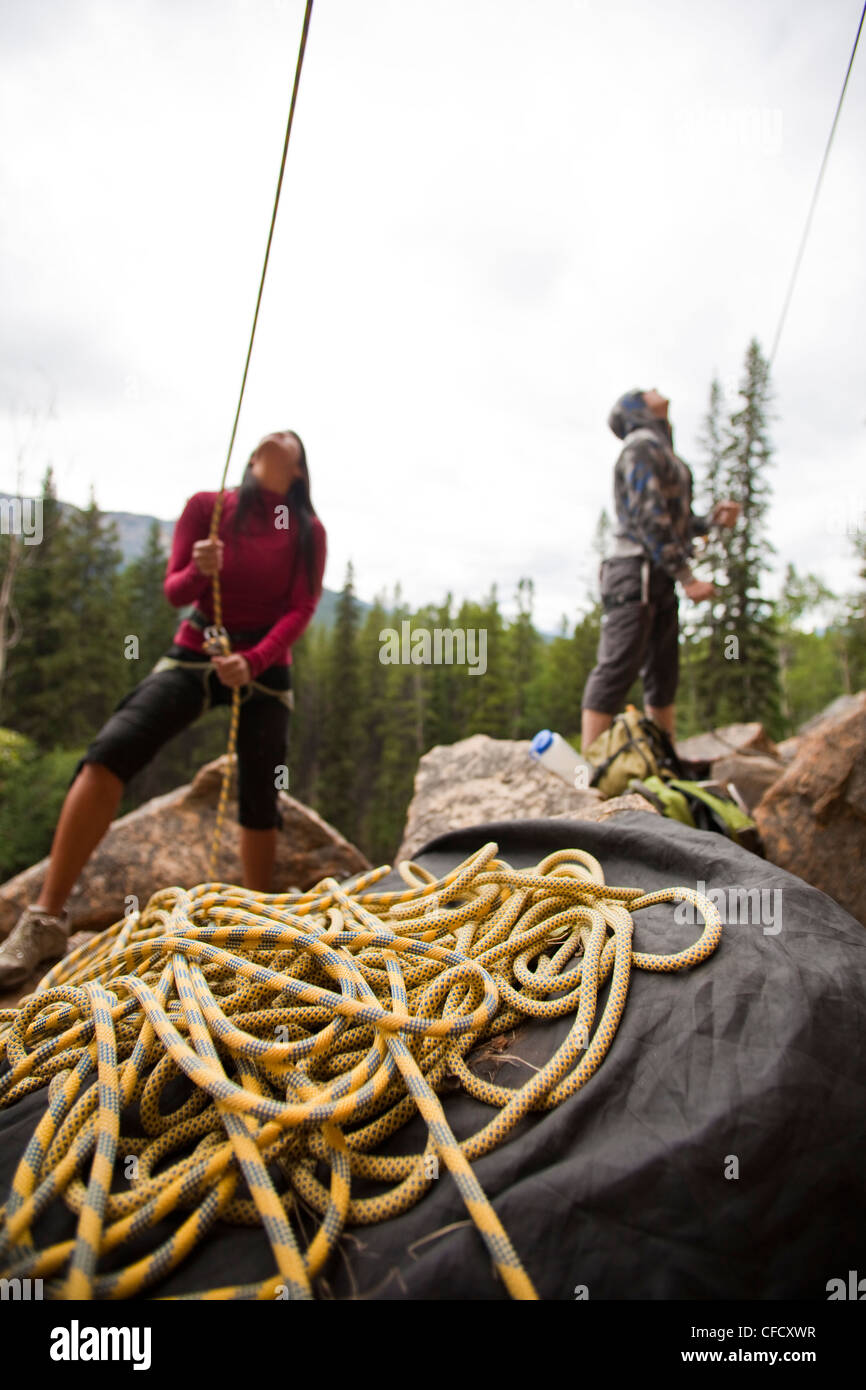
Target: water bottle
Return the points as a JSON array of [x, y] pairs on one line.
[[552, 751]]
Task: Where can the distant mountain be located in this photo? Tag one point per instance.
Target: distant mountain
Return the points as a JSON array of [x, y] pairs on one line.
[[133, 528]]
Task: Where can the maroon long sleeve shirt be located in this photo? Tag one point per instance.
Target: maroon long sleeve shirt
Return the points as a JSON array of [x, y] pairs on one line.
[[263, 578]]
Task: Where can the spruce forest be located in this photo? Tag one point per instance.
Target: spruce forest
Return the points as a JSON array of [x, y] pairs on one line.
[[68, 608]]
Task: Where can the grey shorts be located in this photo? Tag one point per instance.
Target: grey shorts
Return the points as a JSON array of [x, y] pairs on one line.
[[638, 638]]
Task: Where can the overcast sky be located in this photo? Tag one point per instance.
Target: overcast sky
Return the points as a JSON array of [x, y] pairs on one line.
[[498, 215]]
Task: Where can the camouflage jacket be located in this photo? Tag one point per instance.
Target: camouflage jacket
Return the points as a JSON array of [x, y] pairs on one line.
[[653, 492]]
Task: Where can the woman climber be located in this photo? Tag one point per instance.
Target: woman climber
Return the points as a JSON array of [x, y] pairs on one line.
[[270, 553]]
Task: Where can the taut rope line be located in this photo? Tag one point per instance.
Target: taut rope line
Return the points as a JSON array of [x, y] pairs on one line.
[[805, 237], [216, 637]]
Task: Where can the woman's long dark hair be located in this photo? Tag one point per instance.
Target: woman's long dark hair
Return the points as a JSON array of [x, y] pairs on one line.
[[301, 510]]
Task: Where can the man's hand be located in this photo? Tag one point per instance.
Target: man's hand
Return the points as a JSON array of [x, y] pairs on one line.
[[233, 670], [208, 556], [698, 590], [726, 513]]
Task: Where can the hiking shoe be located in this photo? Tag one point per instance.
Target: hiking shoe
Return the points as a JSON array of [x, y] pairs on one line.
[[38, 938]]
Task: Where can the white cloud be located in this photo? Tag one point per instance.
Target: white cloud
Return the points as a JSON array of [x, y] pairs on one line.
[[496, 217]]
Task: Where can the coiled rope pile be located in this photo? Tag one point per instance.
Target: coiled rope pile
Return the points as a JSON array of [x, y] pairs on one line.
[[310, 1027]]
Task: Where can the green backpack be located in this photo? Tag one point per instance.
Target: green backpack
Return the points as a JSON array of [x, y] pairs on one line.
[[694, 805], [635, 754], [633, 746]]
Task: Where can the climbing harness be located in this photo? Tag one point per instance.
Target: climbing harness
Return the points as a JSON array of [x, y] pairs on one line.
[[204, 669], [309, 1027]]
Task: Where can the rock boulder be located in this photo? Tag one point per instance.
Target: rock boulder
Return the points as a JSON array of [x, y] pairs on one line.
[[842, 705], [167, 840], [488, 779], [813, 819], [721, 743], [788, 749], [751, 773]]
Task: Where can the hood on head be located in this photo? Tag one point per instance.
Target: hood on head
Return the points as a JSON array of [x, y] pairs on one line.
[[631, 413]]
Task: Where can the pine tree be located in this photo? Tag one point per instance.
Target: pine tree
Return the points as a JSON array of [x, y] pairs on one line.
[[748, 456], [712, 440], [339, 757], [558, 685], [147, 615], [702, 656], [587, 632], [852, 638], [484, 701], [310, 657], [11, 555], [38, 604], [401, 749], [402, 741], [744, 683], [587, 629], [809, 662], [84, 676], [442, 718], [374, 703], [522, 644]]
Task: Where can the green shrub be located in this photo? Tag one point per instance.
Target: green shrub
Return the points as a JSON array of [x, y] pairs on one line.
[[13, 748], [32, 789]]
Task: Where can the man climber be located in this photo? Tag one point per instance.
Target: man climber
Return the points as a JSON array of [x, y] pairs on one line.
[[651, 553], [270, 553]]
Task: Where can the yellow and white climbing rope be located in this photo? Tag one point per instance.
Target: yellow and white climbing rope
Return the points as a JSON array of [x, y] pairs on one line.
[[310, 1027]]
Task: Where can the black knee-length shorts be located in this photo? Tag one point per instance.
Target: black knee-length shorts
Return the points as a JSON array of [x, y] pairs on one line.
[[639, 636], [167, 702]]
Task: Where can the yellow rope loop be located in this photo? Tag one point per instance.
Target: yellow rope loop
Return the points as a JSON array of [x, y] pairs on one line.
[[310, 1027]]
